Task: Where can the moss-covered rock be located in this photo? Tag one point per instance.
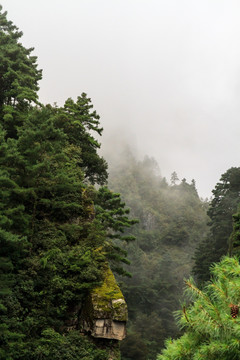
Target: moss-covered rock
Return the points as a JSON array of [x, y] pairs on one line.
[[104, 314], [108, 300]]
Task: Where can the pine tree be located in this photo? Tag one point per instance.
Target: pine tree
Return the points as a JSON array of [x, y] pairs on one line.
[[174, 178], [211, 320]]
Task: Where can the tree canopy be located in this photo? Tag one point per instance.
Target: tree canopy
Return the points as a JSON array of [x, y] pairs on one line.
[[56, 229], [19, 76]]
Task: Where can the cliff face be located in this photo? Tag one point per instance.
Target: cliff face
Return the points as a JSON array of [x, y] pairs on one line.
[[102, 317], [104, 314]]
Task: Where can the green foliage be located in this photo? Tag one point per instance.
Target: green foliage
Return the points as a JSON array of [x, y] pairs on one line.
[[55, 346], [112, 214], [79, 122], [222, 207], [210, 324], [48, 240], [19, 76], [234, 240], [54, 245], [52, 345]]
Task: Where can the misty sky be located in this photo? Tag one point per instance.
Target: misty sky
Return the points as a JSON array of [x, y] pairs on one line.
[[163, 75]]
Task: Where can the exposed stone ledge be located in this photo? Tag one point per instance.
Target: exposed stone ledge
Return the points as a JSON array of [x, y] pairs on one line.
[[109, 329]]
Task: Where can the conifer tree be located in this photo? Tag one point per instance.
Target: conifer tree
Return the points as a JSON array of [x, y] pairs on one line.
[[211, 320], [222, 207], [19, 76], [79, 122], [234, 240], [174, 178]]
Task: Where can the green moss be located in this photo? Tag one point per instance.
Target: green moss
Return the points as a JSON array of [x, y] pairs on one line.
[[108, 300], [109, 290]]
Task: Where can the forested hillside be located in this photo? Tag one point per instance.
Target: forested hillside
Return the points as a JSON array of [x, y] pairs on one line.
[[56, 228], [66, 225], [210, 318], [172, 222]]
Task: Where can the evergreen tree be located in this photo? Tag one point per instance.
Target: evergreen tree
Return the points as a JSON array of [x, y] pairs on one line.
[[19, 76], [234, 240], [222, 207], [174, 178], [79, 122], [211, 320]]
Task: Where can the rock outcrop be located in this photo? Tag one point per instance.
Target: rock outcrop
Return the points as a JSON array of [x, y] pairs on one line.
[[104, 314]]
